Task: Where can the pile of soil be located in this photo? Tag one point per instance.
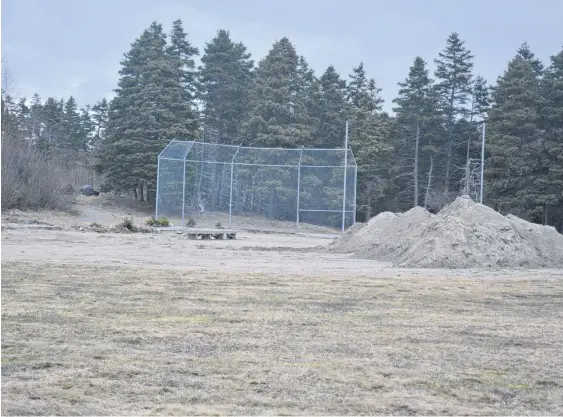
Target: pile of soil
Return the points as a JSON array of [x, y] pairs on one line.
[[464, 234]]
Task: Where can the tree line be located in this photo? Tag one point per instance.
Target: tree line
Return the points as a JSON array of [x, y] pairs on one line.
[[424, 154]]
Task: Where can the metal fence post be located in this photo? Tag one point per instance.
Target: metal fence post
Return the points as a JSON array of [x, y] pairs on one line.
[[482, 164], [355, 188], [183, 193], [298, 186], [157, 182], [345, 169], [231, 190]]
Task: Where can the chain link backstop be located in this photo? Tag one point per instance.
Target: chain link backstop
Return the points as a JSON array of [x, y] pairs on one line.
[[204, 184]]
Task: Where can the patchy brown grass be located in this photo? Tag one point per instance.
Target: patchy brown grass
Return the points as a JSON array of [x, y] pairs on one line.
[[106, 340]]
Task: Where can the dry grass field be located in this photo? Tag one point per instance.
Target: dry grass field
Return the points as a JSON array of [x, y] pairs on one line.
[[152, 324]]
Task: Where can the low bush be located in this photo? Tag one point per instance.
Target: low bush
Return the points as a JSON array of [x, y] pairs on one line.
[[160, 222], [128, 224]]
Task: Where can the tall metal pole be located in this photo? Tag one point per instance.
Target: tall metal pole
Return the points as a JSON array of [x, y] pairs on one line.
[[298, 186], [183, 193], [231, 190], [157, 181], [482, 163], [355, 187], [345, 169]]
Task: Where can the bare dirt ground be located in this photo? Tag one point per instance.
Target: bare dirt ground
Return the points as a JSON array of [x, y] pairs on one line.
[[153, 324]]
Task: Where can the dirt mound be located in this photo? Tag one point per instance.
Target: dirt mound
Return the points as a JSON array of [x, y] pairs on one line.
[[464, 234]]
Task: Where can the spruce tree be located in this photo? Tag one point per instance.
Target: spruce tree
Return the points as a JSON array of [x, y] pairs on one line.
[[416, 122], [526, 53], [275, 107], [10, 122], [514, 165], [357, 86], [73, 138], [99, 118], [332, 110], [87, 127], [551, 184], [52, 117], [153, 105], [369, 138], [181, 50], [225, 78], [454, 80], [306, 100], [35, 119], [480, 104]]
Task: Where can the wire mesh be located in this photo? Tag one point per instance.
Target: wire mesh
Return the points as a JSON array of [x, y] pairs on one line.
[[214, 185]]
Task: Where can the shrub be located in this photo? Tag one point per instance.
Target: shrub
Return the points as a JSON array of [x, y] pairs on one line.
[[160, 222], [191, 222], [128, 224], [33, 181], [218, 225]]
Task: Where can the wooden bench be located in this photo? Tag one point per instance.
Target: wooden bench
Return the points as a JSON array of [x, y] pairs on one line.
[[210, 234]]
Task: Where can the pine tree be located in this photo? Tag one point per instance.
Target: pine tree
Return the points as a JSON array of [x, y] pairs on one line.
[[514, 166], [275, 107], [416, 122], [454, 81], [225, 79], [551, 184]]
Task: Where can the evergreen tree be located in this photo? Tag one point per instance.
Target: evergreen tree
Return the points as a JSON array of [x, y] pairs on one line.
[[10, 122], [73, 138], [514, 165], [52, 116], [87, 127], [416, 119], [454, 81], [472, 128], [369, 138], [225, 80], [526, 53], [332, 110], [152, 106], [305, 100], [551, 184], [35, 119], [181, 50], [480, 99], [357, 86], [276, 108], [99, 119]]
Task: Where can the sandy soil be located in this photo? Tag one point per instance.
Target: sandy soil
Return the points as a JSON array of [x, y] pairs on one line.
[[108, 323]]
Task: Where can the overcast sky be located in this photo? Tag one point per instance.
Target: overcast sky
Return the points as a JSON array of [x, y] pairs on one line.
[[63, 47]]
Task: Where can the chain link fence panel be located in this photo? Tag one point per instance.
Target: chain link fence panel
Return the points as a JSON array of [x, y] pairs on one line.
[[211, 186]]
